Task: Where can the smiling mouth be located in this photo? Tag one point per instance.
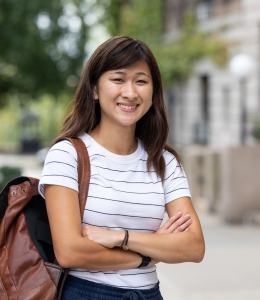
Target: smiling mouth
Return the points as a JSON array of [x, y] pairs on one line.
[[129, 107]]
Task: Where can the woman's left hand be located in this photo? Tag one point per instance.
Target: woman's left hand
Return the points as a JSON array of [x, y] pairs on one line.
[[104, 237], [177, 223]]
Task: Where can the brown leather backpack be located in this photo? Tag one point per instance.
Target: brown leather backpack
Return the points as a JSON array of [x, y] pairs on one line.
[[28, 268]]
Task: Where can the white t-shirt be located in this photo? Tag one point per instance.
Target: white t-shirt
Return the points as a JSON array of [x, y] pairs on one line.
[[122, 196]]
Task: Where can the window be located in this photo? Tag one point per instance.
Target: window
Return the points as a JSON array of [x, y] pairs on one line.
[[203, 10]]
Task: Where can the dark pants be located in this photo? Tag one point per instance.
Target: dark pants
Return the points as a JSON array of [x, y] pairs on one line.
[[80, 289]]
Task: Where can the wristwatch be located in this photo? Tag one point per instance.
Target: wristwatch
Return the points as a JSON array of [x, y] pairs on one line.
[[145, 261]]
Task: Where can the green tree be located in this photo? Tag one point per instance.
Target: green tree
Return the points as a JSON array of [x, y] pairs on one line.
[[144, 20], [42, 46]]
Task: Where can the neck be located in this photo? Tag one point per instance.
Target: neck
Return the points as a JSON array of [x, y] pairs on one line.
[[116, 139]]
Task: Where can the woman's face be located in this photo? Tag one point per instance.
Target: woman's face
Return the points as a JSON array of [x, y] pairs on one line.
[[125, 95]]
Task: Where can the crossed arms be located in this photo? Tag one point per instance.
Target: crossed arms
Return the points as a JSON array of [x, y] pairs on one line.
[[180, 239]]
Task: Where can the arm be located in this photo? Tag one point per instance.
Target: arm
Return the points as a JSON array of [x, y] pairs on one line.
[[187, 246], [71, 249], [164, 245]]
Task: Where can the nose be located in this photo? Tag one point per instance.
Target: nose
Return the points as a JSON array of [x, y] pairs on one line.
[[129, 91]]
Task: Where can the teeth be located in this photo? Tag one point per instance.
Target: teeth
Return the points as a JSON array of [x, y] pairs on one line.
[[127, 106]]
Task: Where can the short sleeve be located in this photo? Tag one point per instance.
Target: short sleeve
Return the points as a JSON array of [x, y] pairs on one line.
[[60, 167], [176, 183]]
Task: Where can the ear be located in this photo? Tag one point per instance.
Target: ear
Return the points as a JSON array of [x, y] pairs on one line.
[[95, 93]]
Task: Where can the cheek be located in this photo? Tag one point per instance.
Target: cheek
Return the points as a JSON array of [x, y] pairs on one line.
[[107, 92], [149, 96]]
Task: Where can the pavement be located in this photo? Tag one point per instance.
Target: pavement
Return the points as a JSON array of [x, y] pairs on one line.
[[230, 269], [27, 162], [231, 266]]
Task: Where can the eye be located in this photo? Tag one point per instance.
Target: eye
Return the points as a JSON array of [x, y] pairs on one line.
[[118, 79], [141, 81]]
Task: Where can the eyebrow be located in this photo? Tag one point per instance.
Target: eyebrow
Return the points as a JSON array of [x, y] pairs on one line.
[[123, 73]]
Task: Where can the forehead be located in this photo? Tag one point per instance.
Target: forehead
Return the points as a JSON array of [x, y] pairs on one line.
[[139, 68]]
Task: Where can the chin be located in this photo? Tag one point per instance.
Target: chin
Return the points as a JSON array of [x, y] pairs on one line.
[[128, 123]]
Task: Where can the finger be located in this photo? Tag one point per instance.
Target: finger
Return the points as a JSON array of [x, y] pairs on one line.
[[184, 226], [168, 223], [178, 223], [172, 220], [84, 231]]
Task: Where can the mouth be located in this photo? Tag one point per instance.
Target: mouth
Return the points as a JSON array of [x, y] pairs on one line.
[[127, 107]]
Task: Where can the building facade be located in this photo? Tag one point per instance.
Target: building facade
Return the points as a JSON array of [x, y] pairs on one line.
[[208, 108]]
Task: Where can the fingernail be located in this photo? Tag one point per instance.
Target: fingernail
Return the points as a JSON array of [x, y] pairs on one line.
[[179, 212], [187, 215]]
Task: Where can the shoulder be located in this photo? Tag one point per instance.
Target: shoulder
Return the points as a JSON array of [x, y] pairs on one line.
[[66, 147], [60, 167], [170, 159], [62, 146]]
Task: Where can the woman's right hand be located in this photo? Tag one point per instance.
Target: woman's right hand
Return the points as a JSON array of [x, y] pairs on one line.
[[177, 223]]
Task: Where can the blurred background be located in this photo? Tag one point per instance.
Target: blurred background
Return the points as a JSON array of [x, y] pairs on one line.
[[209, 55]]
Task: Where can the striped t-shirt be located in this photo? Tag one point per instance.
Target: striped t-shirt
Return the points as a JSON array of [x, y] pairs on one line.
[[122, 196]]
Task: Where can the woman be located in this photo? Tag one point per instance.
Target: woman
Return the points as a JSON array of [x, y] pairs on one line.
[[135, 176]]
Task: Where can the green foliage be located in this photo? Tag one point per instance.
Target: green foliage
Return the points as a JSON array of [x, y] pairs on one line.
[[138, 19], [256, 130], [33, 59], [144, 20], [9, 134], [51, 112], [176, 59], [7, 173]]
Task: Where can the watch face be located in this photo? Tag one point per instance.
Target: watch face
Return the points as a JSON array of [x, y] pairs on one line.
[[125, 247]]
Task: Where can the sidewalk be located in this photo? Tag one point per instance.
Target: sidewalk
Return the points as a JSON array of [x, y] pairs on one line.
[[231, 266], [230, 269], [27, 162]]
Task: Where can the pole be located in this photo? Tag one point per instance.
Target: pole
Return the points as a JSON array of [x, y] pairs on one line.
[[243, 111]]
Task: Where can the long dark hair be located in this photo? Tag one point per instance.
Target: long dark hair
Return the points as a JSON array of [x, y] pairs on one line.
[[117, 53]]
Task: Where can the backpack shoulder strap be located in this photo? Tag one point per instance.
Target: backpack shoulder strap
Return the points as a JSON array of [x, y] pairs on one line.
[[83, 170], [83, 179]]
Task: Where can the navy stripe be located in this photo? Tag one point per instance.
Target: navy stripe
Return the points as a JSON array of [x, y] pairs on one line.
[[120, 170], [42, 189], [177, 190], [109, 187], [111, 273], [59, 162], [171, 161], [93, 272], [178, 177], [66, 142], [172, 173], [138, 273], [53, 175], [120, 228], [99, 212], [134, 182], [63, 151], [135, 203], [96, 154]]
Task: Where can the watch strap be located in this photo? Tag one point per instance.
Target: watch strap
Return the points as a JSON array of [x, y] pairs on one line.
[[145, 261]]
